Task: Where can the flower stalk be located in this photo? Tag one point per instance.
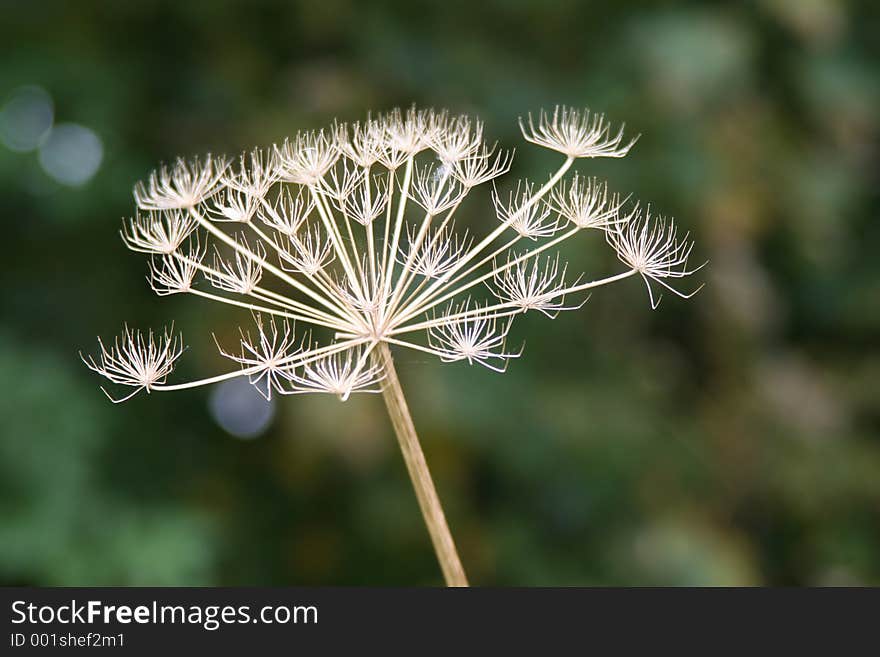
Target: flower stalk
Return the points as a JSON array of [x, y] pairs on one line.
[[417, 466]]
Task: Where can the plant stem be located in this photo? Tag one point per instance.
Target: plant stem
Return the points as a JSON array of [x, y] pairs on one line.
[[426, 494]]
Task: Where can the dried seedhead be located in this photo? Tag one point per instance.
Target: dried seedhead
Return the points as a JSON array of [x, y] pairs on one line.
[[351, 232]]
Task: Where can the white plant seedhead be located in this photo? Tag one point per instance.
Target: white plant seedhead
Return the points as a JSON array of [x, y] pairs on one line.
[[368, 200], [531, 220], [475, 336], [256, 174], [340, 374], [288, 212], [269, 359], [353, 231], [407, 133], [364, 144], [157, 232], [233, 204], [173, 273], [137, 360], [586, 203], [533, 285], [240, 274], [340, 181], [436, 253], [307, 253], [306, 158], [455, 139], [576, 133], [482, 166], [436, 190], [182, 186], [651, 246]]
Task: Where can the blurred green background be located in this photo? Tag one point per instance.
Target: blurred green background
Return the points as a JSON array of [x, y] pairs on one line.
[[731, 439]]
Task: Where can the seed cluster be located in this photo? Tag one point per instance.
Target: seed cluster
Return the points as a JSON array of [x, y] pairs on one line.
[[350, 233]]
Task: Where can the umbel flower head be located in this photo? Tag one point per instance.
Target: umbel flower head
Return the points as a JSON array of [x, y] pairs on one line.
[[343, 242]]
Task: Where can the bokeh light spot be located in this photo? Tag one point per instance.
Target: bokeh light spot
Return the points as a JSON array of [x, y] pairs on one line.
[[25, 119], [71, 154], [239, 409]]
